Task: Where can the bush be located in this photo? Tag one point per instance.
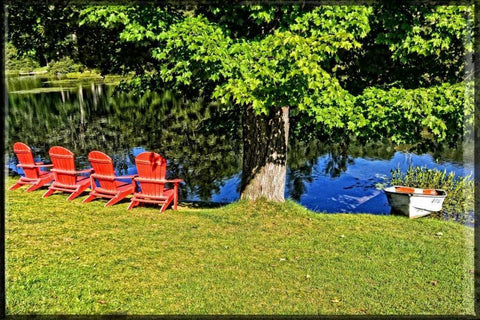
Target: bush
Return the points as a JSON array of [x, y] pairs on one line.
[[458, 204], [64, 66], [14, 61]]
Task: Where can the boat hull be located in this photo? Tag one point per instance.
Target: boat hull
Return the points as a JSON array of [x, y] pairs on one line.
[[413, 202]]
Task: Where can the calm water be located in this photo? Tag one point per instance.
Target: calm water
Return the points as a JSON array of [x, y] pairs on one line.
[[202, 145]]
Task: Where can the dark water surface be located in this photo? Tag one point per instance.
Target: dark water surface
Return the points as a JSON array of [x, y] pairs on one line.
[[201, 144]]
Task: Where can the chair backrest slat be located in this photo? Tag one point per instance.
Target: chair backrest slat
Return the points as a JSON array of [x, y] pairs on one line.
[[151, 165], [25, 157], [63, 159], [102, 165]]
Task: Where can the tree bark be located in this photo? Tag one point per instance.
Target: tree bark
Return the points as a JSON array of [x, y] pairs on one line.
[[265, 140]]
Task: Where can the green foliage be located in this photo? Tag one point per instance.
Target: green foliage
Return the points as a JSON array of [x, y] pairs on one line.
[[284, 70], [195, 56], [349, 22], [432, 31], [15, 61], [406, 116], [42, 30], [245, 258], [410, 46], [440, 37], [136, 23], [251, 22], [127, 35], [64, 66], [458, 205], [289, 56], [191, 56], [286, 60]]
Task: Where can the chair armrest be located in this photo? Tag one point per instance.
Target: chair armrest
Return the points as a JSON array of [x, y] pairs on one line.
[[26, 165], [36, 165], [84, 171], [71, 171], [174, 181], [44, 165], [101, 176], [140, 179], [158, 180], [111, 178], [126, 177]]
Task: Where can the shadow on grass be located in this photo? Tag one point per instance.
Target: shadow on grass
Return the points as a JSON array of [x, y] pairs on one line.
[[184, 204], [202, 204]]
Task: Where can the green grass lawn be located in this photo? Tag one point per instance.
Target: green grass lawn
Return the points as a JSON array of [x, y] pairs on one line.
[[245, 258]]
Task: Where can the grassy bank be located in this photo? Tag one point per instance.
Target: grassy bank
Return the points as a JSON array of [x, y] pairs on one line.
[[244, 258], [85, 75]]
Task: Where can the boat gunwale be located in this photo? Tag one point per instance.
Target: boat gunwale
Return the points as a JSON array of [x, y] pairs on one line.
[[442, 193]]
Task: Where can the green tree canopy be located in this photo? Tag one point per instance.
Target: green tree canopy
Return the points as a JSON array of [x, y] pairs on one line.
[[270, 56]]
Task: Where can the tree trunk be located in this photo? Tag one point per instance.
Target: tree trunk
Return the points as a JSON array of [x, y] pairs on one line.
[[265, 139]]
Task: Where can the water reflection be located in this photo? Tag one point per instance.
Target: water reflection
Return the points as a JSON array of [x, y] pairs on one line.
[[201, 143], [201, 148]]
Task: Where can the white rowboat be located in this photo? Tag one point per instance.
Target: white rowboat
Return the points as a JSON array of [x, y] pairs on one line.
[[414, 202]]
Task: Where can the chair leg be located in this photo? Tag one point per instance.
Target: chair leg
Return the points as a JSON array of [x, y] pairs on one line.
[[17, 185], [78, 192], [175, 196], [175, 201], [73, 195], [114, 200], [89, 198], [132, 204], [48, 193], [118, 197], [35, 187], [163, 208], [165, 205]]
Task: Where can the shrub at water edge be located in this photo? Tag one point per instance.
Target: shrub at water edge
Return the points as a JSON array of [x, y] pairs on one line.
[[64, 66]]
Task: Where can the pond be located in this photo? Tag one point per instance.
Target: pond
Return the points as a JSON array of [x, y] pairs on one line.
[[202, 144]]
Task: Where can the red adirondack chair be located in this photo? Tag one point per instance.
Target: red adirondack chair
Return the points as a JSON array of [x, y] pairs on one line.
[[151, 169], [67, 179], [104, 173], [33, 174]]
